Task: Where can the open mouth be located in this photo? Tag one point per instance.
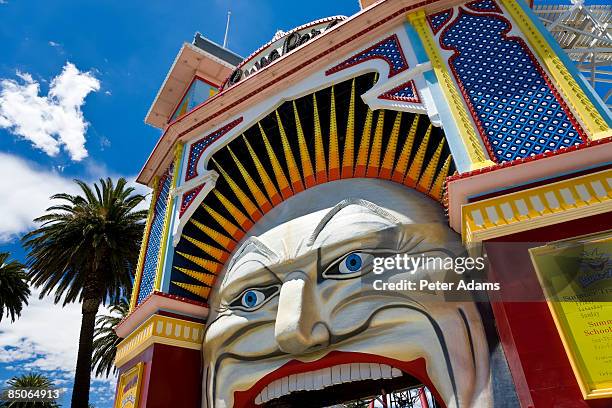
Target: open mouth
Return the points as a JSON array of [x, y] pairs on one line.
[[336, 378]]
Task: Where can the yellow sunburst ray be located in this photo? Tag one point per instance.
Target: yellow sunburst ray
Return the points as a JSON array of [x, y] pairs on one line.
[[211, 266], [225, 241], [437, 189], [260, 197], [334, 154], [203, 277], [294, 172], [364, 146], [307, 171], [320, 166], [348, 156], [399, 171], [281, 179], [374, 161], [428, 175], [269, 186], [417, 163], [199, 290], [390, 149], [219, 254], [246, 202], [242, 220]]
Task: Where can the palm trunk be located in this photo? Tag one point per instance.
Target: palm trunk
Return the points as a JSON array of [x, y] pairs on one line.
[[82, 378]]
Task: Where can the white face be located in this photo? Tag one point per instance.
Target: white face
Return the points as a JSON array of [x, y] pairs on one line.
[[296, 313]]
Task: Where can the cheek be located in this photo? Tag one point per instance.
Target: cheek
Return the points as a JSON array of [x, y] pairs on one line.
[[234, 331]]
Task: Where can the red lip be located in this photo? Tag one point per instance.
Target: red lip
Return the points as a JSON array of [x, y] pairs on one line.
[[416, 368]]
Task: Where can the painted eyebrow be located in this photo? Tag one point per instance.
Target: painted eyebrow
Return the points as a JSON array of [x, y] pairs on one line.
[[345, 203], [246, 248]]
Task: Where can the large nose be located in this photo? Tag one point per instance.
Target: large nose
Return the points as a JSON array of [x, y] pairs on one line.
[[298, 322]]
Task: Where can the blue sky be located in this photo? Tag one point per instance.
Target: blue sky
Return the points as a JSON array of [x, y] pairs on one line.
[[98, 66]]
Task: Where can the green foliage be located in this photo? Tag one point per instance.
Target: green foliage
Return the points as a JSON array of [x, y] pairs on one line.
[[14, 288], [106, 340], [87, 242], [29, 381]]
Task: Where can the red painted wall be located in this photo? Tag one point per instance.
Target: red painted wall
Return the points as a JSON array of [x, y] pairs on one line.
[[539, 365], [172, 377]]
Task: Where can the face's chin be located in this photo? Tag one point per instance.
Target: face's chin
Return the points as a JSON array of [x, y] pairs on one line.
[[400, 349]]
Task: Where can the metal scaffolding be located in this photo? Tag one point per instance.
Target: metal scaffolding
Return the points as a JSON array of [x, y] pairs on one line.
[[585, 33]]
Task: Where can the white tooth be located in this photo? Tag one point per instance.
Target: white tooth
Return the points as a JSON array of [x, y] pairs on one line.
[[292, 382], [318, 380], [364, 371], [385, 371], [375, 371], [345, 370], [264, 395], [309, 381], [396, 372], [278, 388], [285, 385], [327, 376], [355, 374], [258, 400], [300, 382], [336, 375]]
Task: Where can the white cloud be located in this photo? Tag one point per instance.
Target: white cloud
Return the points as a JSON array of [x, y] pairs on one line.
[[28, 191], [27, 343], [29, 188], [52, 121], [54, 44]]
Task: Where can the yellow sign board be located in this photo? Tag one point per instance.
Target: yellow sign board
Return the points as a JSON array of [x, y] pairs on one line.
[[576, 276], [128, 389]]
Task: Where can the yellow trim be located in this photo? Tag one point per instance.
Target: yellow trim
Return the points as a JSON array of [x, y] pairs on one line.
[[471, 141], [537, 207], [162, 330], [137, 369], [594, 123], [143, 245], [169, 209]]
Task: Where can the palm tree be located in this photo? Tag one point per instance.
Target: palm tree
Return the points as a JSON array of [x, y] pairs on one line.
[[86, 250], [14, 288], [106, 340], [38, 381]]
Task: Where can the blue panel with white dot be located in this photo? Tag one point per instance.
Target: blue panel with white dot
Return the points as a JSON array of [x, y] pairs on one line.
[[484, 5], [436, 21], [147, 280], [405, 92], [519, 114], [388, 49]]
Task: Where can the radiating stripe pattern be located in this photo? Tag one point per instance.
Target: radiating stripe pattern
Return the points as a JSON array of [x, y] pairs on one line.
[[318, 138]]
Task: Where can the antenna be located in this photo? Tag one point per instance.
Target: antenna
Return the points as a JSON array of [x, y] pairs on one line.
[[229, 14]]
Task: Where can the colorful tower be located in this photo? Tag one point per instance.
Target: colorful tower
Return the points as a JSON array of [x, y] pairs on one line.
[[473, 106]]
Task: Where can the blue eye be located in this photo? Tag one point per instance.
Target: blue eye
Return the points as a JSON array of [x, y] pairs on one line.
[[350, 266], [252, 298], [352, 263]]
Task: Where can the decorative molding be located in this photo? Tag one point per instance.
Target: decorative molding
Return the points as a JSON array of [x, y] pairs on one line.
[[465, 127], [162, 330], [596, 126], [537, 207]]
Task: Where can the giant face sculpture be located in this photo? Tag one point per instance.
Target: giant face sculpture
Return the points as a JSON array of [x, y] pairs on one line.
[[295, 320]]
